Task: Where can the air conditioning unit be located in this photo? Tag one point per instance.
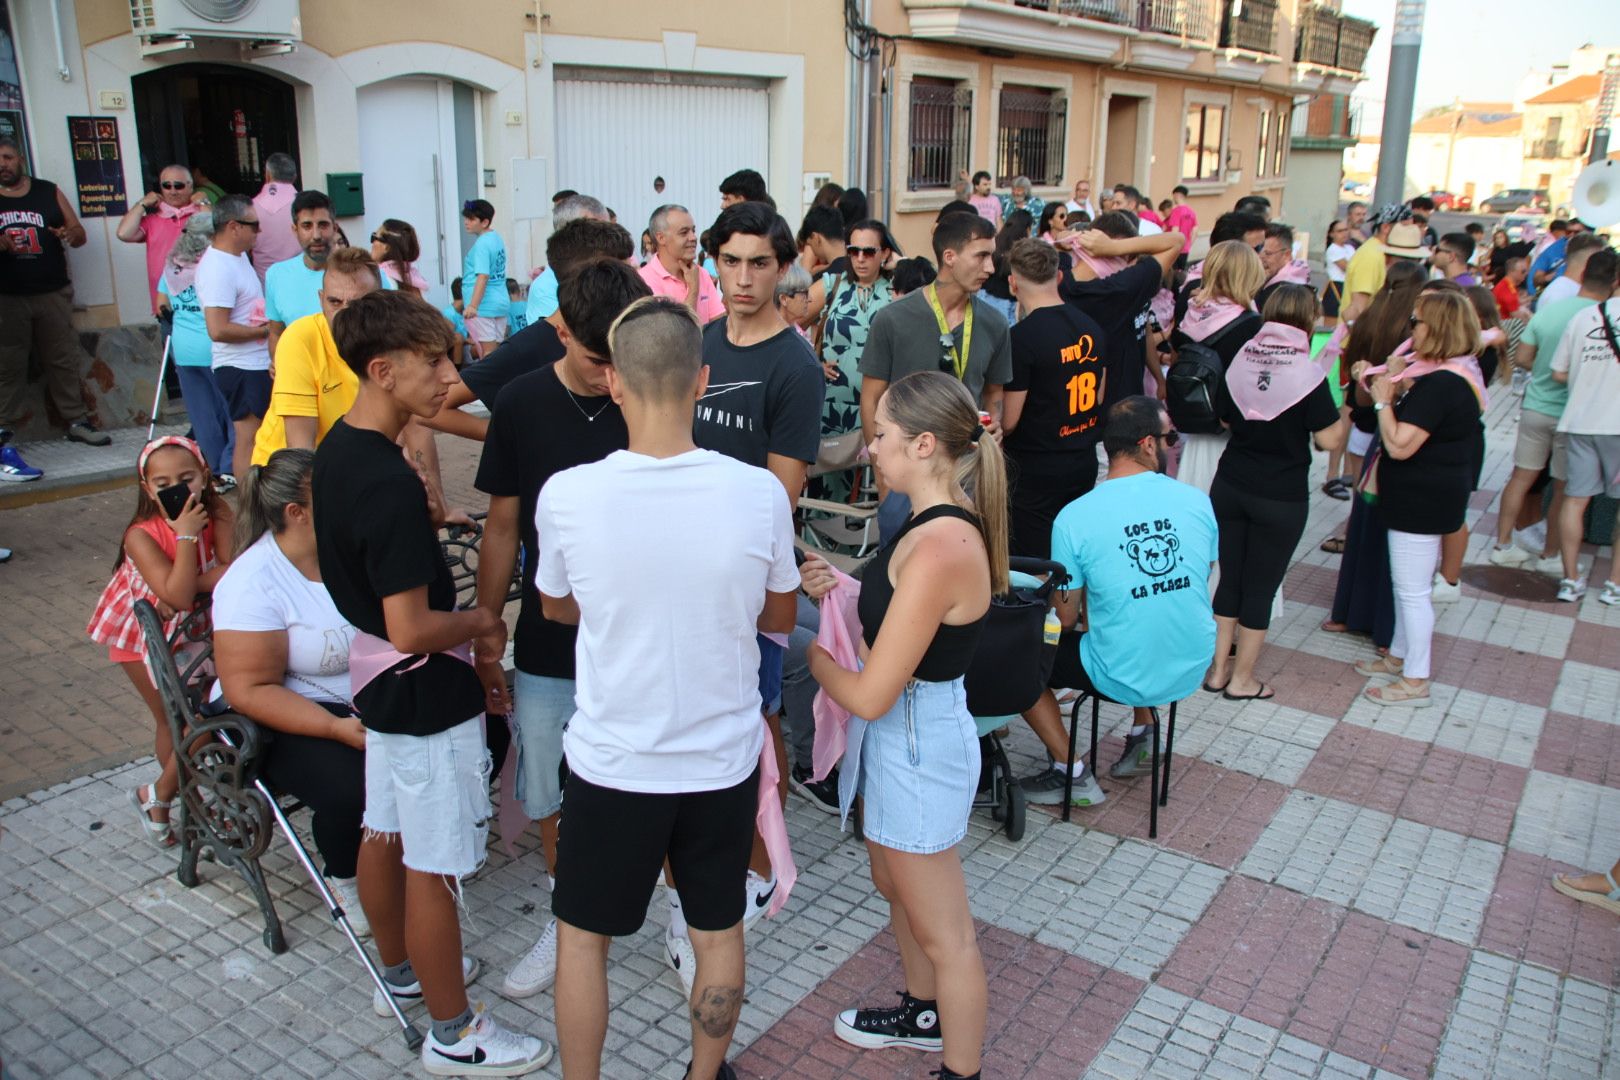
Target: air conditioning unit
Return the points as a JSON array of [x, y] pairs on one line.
[[252, 20]]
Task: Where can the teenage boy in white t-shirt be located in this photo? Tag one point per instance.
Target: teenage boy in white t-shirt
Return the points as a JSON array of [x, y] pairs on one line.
[[664, 745]]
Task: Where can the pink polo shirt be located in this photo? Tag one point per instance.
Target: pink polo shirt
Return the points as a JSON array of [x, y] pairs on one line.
[[161, 230], [1184, 221], [664, 283], [276, 240]]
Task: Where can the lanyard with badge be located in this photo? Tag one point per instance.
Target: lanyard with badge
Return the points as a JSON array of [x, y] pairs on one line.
[[958, 357]]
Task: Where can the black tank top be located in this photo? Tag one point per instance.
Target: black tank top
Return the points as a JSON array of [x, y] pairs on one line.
[[948, 654], [36, 263]]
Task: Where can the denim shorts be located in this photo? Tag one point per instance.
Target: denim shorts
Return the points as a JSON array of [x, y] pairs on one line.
[[542, 706], [916, 769], [433, 792]]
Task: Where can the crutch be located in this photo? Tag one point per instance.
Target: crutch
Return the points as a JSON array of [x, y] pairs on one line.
[[157, 396]]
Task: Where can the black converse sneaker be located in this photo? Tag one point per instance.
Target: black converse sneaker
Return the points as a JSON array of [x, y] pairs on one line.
[[915, 1024]]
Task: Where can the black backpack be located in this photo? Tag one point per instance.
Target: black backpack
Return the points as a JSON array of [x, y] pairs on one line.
[[1195, 385]]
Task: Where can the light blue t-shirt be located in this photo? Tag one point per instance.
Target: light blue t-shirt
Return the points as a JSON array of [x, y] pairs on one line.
[[291, 291], [189, 340], [1543, 393], [516, 319], [1141, 546], [488, 257], [542, 298], [449, 311]]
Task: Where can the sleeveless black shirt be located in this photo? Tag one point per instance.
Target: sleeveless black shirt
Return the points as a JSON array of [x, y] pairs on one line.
[[37, 262], [951, 650]]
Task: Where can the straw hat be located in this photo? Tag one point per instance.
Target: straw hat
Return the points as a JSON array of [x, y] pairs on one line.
[[1406, 242]]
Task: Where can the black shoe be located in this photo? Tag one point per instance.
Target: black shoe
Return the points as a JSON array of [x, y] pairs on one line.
[[821, 794], [944, 1073], [915, 1025], [726, 1071], [86, 432]]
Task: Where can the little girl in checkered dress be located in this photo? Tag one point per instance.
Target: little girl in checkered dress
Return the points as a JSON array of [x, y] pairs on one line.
[[166, 561]]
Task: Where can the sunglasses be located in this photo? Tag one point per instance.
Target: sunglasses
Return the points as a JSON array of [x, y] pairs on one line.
[[379, 238], [254, 225], [1413, 320], [1171, 438], [947, 358], [865, 252], [175, 185]]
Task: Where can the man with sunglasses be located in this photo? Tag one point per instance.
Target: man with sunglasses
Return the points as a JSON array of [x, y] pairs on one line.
[[157, 221], [232, 299]]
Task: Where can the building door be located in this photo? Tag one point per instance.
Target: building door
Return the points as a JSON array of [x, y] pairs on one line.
[[691, 131], [1124, 123], [219, 120], [419, 159]]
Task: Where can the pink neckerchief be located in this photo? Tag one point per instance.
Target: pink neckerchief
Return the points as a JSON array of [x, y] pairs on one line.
[[275, 196], [164, 210], [1296, 272], [1163, 307], [840, 635], [180, 277], [1334, 348], [1100, 265], [772, 825], [1273, 372], [1209, 317], [1466, 366], [1492, 336], [392, 269], [1195, 272]]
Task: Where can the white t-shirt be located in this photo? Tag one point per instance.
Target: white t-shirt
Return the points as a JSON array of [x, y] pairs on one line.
[[1594, 372], [669, 560], [1334, 253], [263, 591], [1561, 287], [1144, 227], [228, 281]]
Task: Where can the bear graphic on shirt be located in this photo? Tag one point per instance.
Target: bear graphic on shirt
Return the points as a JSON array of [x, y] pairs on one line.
[[1155, 549]]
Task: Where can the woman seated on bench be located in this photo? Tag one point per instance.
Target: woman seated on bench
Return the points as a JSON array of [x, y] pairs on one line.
[[282, 651]]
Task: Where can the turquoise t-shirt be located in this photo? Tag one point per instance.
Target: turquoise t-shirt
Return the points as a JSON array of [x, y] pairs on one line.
[[1141, 546], [488, 257], [516, 319], [542, 298], [291, 291], [1543, 393], [449, 311], [189, 341]]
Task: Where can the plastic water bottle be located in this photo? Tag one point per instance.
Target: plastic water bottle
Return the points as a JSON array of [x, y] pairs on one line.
[[1053, 629]]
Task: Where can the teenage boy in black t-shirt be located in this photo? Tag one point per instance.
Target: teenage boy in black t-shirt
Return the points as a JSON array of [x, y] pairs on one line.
[[1052, 411], [427, 771], [1119, 302], [544, 422]]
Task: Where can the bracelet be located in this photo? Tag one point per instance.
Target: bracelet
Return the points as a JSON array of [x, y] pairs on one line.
[[181, 536]]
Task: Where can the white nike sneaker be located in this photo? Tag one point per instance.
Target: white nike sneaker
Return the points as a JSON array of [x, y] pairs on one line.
[[759, 894], [347, 892], [411, 993], [485, 1049], [538, 968], [682, 960]]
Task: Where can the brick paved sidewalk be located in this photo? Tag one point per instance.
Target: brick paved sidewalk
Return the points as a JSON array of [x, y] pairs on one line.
[[1337, 891]]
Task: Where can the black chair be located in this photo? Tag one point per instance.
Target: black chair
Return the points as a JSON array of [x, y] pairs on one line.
[[1159, 791]]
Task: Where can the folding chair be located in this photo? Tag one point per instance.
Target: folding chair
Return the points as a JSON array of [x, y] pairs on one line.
[[1159, 790], [845, 534]]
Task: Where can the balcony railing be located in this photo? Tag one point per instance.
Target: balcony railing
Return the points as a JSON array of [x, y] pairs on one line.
[[1327, 39], [1250, 25], [1355, 38], [1546, 149], [1188, 19], [1118, 12]]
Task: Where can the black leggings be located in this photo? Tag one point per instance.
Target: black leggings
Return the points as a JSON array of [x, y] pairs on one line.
[[1258, 537], [329, 777]]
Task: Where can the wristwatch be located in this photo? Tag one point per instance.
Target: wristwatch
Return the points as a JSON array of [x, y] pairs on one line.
[[1380, 406]]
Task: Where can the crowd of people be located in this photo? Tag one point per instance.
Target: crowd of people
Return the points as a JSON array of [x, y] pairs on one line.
[[1058, 381]]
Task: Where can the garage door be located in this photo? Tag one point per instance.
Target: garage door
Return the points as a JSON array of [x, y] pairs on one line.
[[617, 131]]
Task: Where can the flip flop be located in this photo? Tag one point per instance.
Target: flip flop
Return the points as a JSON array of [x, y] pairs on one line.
[[1611, 902], [1333, 545], [1208, 689], [1265, 693]]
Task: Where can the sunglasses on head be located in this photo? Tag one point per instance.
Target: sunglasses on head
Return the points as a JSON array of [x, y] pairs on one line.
[[175, 185], [868, 252], [379, 238]]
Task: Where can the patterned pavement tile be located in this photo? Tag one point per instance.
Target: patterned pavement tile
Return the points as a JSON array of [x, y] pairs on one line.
[[1495, 670], [1595, 644], [1312, 584], [1565, 819], [1431, 785], [1463, 720], [1592, 692], [1050, 1013], [1484, 617], [1260, 738], [1176, 1037], [1338, 979], [1519, 1020], [1579, 748], [1429, 879], [1527, 920], [1307, 682]]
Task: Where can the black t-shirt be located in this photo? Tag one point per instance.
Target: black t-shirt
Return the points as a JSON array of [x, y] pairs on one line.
[[1119, 305], [762, 399], [539, 429], [1428, 492], [1272, 458], [1057, 358], [530, 349], [1488, 361], [375, 538]]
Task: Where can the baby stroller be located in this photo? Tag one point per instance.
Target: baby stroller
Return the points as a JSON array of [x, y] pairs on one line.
[[1009, 670]]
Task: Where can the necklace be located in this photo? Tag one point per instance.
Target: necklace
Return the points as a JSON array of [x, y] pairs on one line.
[[589, 417]]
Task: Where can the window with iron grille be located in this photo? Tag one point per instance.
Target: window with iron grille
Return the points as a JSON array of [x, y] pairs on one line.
[[1262, 158], [1201, 151], [1279, 146], [1029, 135], [941, 125]]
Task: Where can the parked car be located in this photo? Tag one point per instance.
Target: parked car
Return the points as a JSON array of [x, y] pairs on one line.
[[1443, 200], [1511, 200], [1515, 223]]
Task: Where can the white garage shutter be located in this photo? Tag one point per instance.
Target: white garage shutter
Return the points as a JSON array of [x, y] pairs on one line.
[[617, 131]]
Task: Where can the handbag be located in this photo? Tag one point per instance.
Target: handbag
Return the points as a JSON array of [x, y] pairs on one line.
[[818, 338]]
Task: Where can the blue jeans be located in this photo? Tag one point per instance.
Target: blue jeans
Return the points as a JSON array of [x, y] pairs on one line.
[[893, 513], [1008, 308], [210, 418], [798, 688], [542, 707]]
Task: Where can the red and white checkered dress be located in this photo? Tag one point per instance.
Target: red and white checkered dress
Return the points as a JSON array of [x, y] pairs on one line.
[[113, 622]]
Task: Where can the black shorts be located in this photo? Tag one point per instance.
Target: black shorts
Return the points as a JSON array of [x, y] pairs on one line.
[[1332, 296], [246, 393], [1042, 485], [611, 847], [1068, 672]]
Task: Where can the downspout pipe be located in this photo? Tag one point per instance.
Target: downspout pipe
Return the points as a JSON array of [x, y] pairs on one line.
[[62, 71]]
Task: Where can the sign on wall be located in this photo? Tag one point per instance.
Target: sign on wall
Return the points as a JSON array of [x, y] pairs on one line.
[[98, 166]]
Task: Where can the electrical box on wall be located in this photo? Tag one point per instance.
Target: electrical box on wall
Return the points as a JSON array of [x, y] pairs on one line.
[[347, 192]]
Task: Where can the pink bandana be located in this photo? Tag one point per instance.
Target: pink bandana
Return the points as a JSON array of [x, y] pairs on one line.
[[1163, 307], [1297, 272], [1493, 336], [1273, 372], [1102, 267], [1466, 366], [274, 196], [180, 277], [1334, 348], [1209, 317], [177, 212]]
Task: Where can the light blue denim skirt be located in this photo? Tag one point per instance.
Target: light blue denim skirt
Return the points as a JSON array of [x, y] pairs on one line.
[[916, 769]]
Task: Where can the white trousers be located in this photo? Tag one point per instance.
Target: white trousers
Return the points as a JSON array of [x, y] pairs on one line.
[[1413, 558]]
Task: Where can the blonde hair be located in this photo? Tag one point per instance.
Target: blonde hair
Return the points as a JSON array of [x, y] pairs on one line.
[[934, 402], [657, 348], [1232, 271], [1452, 325]]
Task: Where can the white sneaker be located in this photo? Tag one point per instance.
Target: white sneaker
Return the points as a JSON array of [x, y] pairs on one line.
[[485, 1049], [1552, 566], [1512, 555], [1443, 591], [1571, 590], [538, 968], [1610, 594], [1532, 538], [759, 894], [348, 897], [682, 960], [411, 993]]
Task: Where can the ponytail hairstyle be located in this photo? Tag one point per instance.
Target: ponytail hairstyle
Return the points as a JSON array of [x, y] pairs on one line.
[[934, 402], [266, 492], [401, 248]]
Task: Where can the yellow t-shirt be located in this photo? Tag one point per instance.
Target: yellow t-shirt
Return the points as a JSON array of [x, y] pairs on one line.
[[311, 380], [1365, 271]]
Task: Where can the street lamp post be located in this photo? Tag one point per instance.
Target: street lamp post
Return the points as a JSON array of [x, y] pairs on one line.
[[1398, 98]]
